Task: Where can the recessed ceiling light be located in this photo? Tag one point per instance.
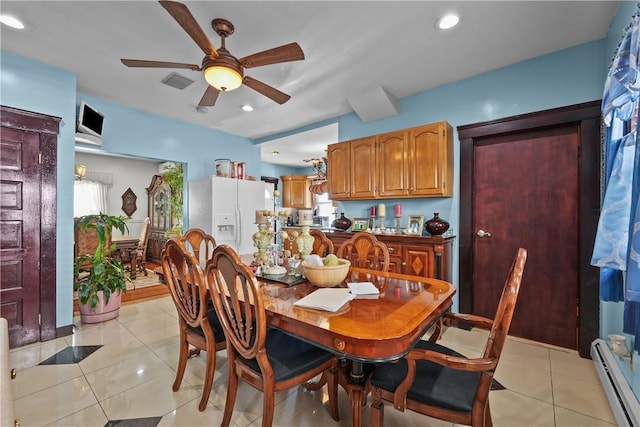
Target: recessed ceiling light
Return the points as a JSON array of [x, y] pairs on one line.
[[448, 21], [247, 108], [12, 22], [275, 153]]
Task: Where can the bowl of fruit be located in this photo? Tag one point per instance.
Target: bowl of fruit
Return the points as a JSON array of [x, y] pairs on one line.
[[325, 272]]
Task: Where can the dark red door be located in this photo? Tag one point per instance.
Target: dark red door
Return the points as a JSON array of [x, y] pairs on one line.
[[526, 195], [533, 181], [20, 235]]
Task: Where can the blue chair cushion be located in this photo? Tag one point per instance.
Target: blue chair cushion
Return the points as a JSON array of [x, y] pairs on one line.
[[289, 356], [215, 325], [434, 385]]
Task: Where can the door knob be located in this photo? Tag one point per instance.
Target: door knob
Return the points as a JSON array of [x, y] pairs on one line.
[[482, 233]]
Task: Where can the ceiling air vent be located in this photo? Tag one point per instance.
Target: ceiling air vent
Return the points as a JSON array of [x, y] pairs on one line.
[[177, 81]]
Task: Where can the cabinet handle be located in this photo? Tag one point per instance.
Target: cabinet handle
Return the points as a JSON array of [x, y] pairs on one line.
[[391, 250], [482, 233]]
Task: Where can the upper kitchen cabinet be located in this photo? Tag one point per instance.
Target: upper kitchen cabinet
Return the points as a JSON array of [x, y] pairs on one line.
[[414, 162], [431, 160], [295, 191], [363, 162], [338, 170], [393, 164]]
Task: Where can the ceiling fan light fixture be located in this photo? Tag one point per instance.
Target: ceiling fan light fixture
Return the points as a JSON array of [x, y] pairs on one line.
[[223, 78]]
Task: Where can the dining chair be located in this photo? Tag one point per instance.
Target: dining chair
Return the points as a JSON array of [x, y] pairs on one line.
[[437, 381], [364, 250], [322, 245], [266, 358], [199, 324], [143, 239], [200, 244]]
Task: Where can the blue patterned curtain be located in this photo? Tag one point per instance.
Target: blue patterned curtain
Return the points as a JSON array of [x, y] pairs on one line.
[[617, 246]]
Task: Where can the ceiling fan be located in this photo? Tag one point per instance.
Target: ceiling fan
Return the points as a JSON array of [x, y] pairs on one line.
[[223, 71]]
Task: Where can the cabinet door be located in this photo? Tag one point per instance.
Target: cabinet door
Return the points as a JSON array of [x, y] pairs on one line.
[[420, 261], [338, 165], [295, 191], [300, 193], [431, 160], [392, 171], [396, 262], [362, 168]]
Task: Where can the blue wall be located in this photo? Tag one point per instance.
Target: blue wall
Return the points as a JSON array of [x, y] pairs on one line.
[[562, 78]]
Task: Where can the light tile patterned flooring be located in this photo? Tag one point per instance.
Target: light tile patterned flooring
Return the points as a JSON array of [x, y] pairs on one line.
[[132, 374]]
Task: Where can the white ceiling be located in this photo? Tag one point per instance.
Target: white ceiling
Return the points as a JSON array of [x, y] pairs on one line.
[[350, 47]]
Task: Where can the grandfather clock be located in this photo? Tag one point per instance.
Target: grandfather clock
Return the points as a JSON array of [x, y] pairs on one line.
[[159, 208]]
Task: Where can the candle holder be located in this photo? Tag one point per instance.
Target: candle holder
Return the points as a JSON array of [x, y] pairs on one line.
[[372, 222], [381, 222], [398, 229]]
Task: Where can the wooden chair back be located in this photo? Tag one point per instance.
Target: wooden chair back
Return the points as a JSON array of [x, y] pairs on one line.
[[232, 284], [322, 246], [185, 279], [450, 386], [144, 240], [201, 244], [364, 250]]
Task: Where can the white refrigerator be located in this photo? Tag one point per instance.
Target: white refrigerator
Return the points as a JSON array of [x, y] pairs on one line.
[[226, 209]]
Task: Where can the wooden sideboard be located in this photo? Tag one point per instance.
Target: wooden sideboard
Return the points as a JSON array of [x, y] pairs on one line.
[[428, 256]]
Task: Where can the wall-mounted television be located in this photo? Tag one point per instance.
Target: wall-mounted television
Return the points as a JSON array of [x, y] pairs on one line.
[[90, 120]]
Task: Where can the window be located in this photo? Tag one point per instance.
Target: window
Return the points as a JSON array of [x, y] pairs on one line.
[[89, 197]]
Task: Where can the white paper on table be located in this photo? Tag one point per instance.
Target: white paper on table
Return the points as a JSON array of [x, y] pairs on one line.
[[363, 288], [328, 299]]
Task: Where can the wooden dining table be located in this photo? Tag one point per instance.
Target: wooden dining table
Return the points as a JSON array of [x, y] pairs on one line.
[[365, 330]]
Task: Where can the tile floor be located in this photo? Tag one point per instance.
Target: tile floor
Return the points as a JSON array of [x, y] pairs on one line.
[[130, 377]]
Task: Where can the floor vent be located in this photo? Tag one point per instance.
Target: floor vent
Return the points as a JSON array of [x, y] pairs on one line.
[[623, 402]]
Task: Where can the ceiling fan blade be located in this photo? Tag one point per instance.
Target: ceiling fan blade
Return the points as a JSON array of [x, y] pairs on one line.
[[158, 64], [210, 97], [266, 90], [285, 53], [181, 14]]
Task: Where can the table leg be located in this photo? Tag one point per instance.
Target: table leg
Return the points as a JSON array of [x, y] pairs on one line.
[[134, 263], [352, 378]]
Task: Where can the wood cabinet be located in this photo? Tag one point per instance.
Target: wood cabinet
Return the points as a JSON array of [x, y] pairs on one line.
[[295, 191], [159, 211], [338, 167], [362, 163], [413, 162], [429, 256], [431, 160]]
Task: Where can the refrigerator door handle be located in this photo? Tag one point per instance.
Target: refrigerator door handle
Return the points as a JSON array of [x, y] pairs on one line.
[[239, 225]]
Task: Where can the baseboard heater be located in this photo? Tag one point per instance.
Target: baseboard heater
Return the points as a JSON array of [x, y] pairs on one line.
[[623, 402]]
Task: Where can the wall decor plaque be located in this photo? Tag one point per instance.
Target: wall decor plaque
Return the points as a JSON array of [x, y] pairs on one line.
[[129, 202]]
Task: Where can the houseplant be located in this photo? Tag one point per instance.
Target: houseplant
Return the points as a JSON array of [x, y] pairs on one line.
[[99, 276], [174, 178]]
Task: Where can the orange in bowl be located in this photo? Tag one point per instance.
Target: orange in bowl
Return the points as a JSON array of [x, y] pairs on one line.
[[326, 276]]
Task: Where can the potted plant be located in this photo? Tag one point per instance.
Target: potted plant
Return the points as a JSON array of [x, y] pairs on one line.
[[173, 177], [100, 277]]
